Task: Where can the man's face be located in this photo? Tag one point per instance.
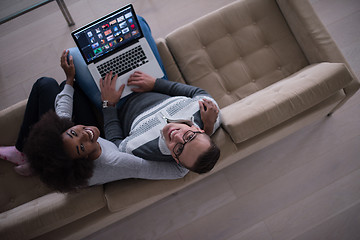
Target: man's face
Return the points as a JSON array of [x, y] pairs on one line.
[[199, 143], [81, 142]]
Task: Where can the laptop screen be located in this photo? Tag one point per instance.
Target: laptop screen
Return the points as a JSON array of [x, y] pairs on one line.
[[112, 32]]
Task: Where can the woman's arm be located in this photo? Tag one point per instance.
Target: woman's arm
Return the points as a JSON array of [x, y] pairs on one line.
[[112, 128], [115, 165], [64, 100]]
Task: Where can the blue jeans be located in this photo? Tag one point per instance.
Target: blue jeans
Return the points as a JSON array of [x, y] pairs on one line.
[[86, 81]]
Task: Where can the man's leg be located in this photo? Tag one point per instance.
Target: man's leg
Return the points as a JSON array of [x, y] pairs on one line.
[[84, 79], [147, 34]]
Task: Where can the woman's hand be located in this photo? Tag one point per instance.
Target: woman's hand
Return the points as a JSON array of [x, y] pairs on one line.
[[108, 91], [142, 81], [209, 113], [68, 67]]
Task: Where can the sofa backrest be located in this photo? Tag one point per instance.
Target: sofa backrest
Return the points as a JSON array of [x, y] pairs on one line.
[[236, 51]]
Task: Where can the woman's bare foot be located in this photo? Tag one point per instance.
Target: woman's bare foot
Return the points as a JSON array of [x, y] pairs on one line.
[[24, 170]]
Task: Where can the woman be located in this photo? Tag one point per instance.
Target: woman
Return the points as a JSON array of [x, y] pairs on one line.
[[68, 156]]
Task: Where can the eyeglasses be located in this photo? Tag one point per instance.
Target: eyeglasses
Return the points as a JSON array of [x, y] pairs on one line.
[[187, 137]]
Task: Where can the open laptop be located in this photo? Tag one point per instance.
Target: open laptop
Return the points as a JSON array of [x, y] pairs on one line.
[[116, 42]]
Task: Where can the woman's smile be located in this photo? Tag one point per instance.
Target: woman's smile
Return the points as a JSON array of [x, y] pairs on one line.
[[90, 133]]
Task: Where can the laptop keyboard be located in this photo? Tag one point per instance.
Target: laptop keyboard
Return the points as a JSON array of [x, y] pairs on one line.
[[124, 63]]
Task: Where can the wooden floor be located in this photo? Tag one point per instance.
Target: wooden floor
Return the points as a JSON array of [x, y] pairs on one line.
[[304, 187]]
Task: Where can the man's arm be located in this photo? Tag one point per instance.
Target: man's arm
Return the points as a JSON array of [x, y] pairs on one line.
[[146, 83], [112, 128], [178, 89], [209, 115], [208, 108]]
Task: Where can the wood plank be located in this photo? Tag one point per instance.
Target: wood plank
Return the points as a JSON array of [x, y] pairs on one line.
[[315, 209], [257, 232], [174, 212], [344, 226], [276, 195], [282, 157]]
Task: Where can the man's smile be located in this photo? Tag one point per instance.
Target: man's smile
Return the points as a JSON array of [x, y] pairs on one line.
[[172, 133]]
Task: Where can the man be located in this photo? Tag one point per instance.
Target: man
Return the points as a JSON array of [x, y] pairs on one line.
[[162, 121], [135, 127]]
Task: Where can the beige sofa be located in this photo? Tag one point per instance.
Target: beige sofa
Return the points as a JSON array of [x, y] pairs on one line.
[[271, 66]]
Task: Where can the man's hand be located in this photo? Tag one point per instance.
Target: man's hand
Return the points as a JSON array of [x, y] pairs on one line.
[[108, 91], [209, 113], [142, 81], [68, 67]]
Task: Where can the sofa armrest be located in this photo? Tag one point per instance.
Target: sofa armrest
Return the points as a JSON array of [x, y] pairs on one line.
[[313, 38], [309, 31], [283, 100], [170, 65], [10, 121]]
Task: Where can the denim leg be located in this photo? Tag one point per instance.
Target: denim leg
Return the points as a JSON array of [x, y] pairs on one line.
[[40, 101], [84, 79], [147, 34]]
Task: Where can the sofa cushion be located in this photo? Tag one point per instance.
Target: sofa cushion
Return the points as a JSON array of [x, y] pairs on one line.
[[131, 195], [49, 212], [17, 190], [237, 50], [283, 100]]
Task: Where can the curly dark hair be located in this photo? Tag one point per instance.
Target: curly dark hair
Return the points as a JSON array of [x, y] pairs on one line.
[[48, 159], [207, 160]]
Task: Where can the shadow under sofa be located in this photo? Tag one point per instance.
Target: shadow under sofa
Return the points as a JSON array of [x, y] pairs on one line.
[[271, 66]]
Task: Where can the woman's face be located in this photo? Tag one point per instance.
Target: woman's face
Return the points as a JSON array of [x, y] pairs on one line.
[[81, 142]]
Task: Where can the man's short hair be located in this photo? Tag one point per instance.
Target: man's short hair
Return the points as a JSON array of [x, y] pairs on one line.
[[207, 160]]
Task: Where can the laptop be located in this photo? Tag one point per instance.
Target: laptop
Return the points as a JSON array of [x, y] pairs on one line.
[[116, 43]]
